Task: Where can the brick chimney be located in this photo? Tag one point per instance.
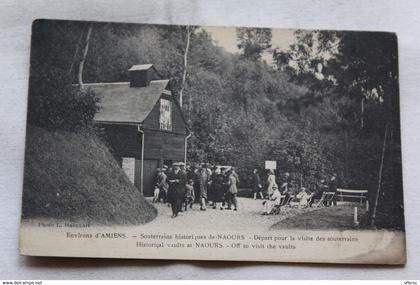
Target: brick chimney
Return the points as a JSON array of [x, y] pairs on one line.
[[142, 74]]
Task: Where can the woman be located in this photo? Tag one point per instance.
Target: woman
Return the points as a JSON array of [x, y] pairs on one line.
[[217, 187], [273, 202], [271, 181], [176, 194], [256, 184], [303, 198], [233, 190]]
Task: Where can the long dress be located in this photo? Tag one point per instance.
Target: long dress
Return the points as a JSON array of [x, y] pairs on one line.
[[274, 200], [233, 190], [196, 179], [256, 183], [176, 193], [232, 184], [271, 182], [203, 180], [217, 185]]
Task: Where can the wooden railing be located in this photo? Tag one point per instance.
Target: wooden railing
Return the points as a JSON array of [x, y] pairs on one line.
[[356, 194]]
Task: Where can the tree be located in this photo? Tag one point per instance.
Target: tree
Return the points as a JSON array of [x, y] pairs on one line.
[[53, 102], [83, 58], [184, 73], [253, 41], [362, 66]]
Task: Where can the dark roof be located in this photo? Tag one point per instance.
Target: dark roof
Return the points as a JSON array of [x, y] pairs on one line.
[[121, 103]]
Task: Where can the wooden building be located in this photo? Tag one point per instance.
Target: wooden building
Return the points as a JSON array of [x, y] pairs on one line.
[[143, 124]]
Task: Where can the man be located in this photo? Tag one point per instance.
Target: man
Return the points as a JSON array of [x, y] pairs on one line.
[[189, 194], [317, 191], [196, 179], [233, 172], [285, 183], [210, 188], [176, 194], [256, 184], [332, 187], [161, 186], [285, 187], [190, 172], [156, 191], [203, 182], [165, 170], [225, 185], [182, 168]]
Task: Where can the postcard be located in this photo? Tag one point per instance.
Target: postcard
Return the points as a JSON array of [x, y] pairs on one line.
[[213, 143]]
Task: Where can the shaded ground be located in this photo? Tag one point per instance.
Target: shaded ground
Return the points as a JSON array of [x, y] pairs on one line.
[[249, 216], [338, 217], [73, 177]]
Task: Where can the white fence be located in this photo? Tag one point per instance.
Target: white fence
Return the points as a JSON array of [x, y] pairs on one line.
[[361, 195]]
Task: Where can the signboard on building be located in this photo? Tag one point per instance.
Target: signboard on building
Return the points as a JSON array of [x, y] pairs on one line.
[[128, 165]]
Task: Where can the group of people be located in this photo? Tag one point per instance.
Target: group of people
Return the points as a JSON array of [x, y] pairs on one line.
[[183, 185], [275, 196]]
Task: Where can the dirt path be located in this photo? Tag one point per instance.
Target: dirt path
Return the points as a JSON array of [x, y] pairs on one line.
[[249, 216]]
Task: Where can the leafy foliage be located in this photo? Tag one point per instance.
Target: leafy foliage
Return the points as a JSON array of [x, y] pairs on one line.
[[53, 102], [360, 71], [253, 41], [304, 112], [56, 104]]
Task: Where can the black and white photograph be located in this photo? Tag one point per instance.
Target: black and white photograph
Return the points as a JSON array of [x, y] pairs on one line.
[[181, 133]]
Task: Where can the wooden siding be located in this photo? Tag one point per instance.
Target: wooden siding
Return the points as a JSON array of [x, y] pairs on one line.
[[123, 140], [162, 145], [178, 124], [150, 176]]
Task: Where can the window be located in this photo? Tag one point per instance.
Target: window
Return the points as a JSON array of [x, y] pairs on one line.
[[165, 119]]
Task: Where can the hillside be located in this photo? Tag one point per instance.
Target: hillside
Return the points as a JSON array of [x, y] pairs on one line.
[[73, 177]]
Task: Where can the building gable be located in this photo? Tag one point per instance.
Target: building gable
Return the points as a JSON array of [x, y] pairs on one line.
[[153, 120]]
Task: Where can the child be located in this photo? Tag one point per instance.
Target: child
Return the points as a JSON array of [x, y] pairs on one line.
[[189, 194], [156, 194]]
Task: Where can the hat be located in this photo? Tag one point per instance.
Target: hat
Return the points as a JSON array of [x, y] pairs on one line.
[[165, 167], [275, 186]]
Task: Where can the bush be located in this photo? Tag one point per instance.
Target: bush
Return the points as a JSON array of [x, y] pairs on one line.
[[54, 103]]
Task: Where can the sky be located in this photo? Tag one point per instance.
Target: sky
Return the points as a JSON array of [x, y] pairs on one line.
[[226, 37]]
